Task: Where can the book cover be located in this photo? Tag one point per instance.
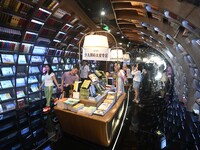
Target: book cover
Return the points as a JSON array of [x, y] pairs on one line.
[[71, 101], [5, 96], [86, 84], [93, 77], [104, 106], [77, 86], [99, 112]]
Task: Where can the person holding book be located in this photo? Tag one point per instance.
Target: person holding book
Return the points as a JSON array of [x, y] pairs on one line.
[[84, 71], [49, 78], [68, 79]]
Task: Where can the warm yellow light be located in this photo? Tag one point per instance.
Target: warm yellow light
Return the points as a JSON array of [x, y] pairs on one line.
[[95, 41]]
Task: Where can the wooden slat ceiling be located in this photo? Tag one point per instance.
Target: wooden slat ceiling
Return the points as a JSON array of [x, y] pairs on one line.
[[155, 17]]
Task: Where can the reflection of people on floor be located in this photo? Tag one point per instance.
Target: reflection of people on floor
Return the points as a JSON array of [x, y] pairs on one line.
[[134, 120]]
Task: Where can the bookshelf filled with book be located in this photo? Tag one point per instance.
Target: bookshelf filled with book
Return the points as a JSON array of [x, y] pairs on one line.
[[32, 34]]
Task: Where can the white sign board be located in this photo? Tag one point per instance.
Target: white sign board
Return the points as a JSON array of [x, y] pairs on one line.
[[99, 54]]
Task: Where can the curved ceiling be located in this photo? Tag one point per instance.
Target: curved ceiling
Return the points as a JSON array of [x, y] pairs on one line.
[[170, 27]]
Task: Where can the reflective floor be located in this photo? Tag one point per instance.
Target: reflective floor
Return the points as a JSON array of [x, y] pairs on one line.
[[154, 123]]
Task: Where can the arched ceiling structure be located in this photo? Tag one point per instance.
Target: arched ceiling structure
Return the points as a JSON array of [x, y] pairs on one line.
[[170, 28]]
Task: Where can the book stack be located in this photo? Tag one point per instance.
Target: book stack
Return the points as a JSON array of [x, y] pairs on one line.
[[87, 110], [104, 107], [76, 107], [70, 102], [61, 104], [84, 93], [111, 96]]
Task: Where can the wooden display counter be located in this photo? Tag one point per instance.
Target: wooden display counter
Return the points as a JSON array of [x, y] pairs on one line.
[[97, 129]]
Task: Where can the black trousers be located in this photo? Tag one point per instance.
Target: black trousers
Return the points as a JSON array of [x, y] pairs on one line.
[[67, 89]]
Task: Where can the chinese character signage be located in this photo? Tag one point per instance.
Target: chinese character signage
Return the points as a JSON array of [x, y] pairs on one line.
[[95, 54]]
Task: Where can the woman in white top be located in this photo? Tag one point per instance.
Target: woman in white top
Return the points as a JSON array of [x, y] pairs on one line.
[[49, 78], [121, 78], [137, 77]]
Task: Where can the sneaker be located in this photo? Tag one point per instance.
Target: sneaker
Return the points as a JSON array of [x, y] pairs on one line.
[[46, 109]]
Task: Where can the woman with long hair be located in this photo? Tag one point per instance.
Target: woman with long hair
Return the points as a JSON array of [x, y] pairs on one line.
[[49, 78]]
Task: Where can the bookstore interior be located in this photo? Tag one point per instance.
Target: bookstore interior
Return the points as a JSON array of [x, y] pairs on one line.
[[34, 33]]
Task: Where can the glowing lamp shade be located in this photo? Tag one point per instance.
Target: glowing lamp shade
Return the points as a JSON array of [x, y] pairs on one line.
[[126, 58], [95, 41], [116, 55]]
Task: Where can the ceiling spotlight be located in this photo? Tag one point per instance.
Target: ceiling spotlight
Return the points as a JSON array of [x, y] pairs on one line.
[[103, 13]]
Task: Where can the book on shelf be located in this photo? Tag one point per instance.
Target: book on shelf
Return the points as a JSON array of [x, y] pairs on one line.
[[34, 88], [22, 59], [10, 106], [6, 84], [14, 21], [5, 96], [59, 13], [20, 94], [7, 71], [7, 58]]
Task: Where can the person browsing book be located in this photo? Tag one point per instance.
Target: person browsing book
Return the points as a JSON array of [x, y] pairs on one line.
[[68, 79], [84, 71], [49, 78]]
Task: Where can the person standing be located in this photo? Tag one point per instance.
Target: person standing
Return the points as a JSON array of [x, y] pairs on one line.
[[121, 78], [84, 71], [169, 73], [137, 77], [49, 78], [68, 79]]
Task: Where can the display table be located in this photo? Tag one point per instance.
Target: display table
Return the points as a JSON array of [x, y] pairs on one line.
[[97, 129]]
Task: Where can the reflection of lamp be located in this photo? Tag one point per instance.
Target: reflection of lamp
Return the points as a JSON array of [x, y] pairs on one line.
[[95, 41]]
